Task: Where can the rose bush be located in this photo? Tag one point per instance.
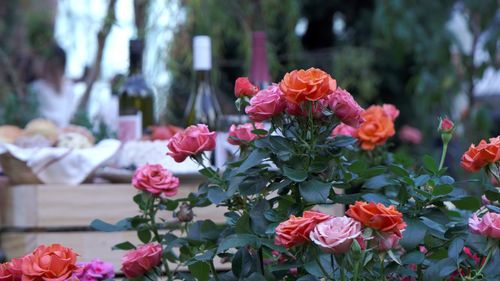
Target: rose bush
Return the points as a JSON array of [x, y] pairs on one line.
[[406, 219]]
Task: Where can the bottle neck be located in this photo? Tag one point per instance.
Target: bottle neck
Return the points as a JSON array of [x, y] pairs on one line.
[[259, 71], [135, 66], [203, 76]]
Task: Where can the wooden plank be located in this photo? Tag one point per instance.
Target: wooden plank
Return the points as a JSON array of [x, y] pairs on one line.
[[69, 206], [88, 245]]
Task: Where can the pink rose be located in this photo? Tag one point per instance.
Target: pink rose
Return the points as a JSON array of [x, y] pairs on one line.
[[386, 241], [239, 134], [193, 140], [5, 273], [391, 110], [96, 270], [265, 104], [301, 110], [345, 107], [488, 225], [485, 200], [156, 180], [410, 135], [336, 234], [139, 261], [343, 130]]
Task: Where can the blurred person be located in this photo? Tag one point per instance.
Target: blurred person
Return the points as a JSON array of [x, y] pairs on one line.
[[55, 92]]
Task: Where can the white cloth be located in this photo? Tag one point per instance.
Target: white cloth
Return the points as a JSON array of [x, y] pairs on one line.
[[59, 165], [57, 107]]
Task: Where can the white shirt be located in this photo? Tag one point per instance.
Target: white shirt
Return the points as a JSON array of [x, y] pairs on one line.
[[56, 107]]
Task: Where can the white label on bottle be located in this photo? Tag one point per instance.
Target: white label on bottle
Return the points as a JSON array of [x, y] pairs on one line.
[[130, 127], [202, 53]]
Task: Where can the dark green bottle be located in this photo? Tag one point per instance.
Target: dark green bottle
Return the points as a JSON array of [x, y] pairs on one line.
[[136, 107]]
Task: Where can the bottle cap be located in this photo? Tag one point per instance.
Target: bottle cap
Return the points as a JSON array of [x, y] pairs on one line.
[[202, 53]]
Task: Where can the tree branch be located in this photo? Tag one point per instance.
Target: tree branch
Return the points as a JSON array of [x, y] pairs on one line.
[[95, 71]]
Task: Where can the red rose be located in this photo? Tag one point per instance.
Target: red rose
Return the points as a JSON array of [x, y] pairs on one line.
[[192, 141], [446, 125], [481, 155], [378, 217], [295, 230], [54, 263], [139, 261], [243, 87]]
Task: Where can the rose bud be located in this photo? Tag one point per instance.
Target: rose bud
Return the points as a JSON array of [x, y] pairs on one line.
[[185, 213], [243, 87]]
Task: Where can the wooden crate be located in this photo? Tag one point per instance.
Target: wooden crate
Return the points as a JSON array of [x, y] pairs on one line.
[[43, 214]]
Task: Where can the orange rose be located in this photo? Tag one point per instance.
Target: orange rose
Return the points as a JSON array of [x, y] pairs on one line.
[[376, 128], [295, 230], [312, 85], [481, 155], [54, 263], [378, 217]]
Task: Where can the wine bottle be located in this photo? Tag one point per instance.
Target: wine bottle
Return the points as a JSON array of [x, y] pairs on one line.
[[203, 106], [259, 70], [136, 111]]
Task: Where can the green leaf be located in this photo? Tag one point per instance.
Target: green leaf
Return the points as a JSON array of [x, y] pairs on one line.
[[170, 205], [252, 185], [468, 203], [437, 270], [378, 182], [206, 256], [258, 221], [399, 171], [433, 225], [216, 195], [377, 198], [315, 191], [255, 277], [144, 235], [492, 195], [393, 256], [421, 180], [100, 225], [243, 224], [295, 175], [124, 246], [207, 172], [242, 263], [430, 164], [442, 189], [237, 241], [343, 141], [415, 257], [200, 270], [254, 159], [259, 132], [313, 268], [456, 248], [414, 233]]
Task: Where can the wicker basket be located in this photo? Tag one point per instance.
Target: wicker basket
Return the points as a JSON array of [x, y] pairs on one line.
[[17, 171]]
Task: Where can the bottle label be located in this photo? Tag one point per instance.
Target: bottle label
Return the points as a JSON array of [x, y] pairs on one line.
[[130, 127]]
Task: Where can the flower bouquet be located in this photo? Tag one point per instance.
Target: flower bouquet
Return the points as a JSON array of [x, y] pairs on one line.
[[403, 221]]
